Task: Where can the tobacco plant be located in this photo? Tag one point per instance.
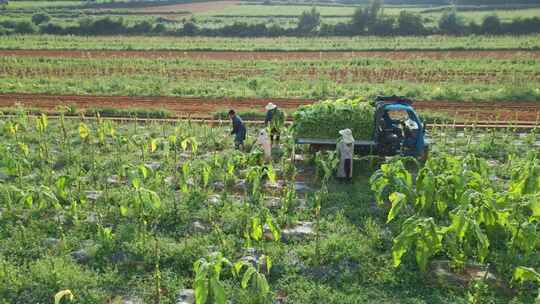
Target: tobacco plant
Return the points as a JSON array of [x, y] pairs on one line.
[[450, 207], [526, 274], [254, 278], [208, 286]]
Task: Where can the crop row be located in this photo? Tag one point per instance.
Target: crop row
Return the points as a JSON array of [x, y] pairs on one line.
[[335, 75], [529, 42]]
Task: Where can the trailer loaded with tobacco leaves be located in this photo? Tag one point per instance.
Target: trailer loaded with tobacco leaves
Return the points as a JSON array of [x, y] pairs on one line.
[[386, 126]]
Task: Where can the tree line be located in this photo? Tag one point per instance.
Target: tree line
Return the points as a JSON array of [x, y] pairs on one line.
[[368, 20]]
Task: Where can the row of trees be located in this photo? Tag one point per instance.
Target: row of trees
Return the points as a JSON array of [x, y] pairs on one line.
[[366, 21]]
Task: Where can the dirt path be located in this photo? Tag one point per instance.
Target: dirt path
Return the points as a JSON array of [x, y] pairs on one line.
[[181, 105], [248, 55], [203, 107]]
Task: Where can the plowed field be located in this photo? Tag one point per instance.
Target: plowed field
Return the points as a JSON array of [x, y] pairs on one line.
[[203, 107]]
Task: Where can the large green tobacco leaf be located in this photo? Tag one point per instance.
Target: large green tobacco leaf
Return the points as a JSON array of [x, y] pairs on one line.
[[218, 291], [419, 233], [398, 200], [326, 118], [526, 274], [534, 205]]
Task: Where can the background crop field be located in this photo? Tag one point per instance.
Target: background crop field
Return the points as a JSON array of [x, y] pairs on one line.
[[425, 79], [528, 42]]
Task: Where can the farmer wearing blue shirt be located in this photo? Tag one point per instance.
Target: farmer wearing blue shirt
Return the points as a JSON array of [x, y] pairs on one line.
[[239, 130]]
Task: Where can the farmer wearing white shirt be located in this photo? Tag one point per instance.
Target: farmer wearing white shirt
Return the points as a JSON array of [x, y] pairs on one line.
[[345, 150], [264, 140]]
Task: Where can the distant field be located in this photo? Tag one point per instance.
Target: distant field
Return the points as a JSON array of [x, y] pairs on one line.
[[347, 11], [217, 14], [197, 7], [42, 4], [505, 15], [279, 10], [531, 42]]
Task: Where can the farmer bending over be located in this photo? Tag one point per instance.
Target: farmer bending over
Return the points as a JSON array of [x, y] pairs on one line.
[[345, 150], [275, 119], [239, 130]]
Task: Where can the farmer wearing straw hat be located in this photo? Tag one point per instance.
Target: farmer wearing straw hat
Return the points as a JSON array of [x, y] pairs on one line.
[[345, 150], [275, 119]]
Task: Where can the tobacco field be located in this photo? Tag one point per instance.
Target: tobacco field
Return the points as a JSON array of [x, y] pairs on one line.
[[105, 212], [515, 78]]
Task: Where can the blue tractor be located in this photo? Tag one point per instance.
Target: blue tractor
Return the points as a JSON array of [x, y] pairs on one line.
[[398, 131]]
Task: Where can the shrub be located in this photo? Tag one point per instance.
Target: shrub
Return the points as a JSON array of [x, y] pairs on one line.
[[383, 26], [367, 17], [143, 28], [4, 31], [491, 25], [24, 27], [451, 24], [51, 29], [410, 24], [159, 28], [40, 18], [309, 22], [190, 28], [359, 21]]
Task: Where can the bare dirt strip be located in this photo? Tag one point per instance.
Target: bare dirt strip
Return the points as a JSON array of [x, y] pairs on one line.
[[276, 55], [204, 107]]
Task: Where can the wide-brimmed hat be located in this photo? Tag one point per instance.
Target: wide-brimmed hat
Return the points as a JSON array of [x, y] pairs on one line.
[[270, 106], [347, 136]]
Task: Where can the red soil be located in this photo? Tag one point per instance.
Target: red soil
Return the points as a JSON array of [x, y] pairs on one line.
[[203, 107]]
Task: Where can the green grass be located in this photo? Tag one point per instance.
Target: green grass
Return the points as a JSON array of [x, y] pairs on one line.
[[478, 16], [43, 4], [245, 114], [131, 112], [278, 10], [71, 110]]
